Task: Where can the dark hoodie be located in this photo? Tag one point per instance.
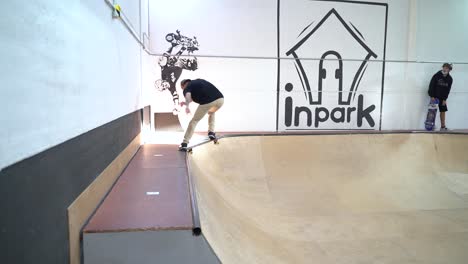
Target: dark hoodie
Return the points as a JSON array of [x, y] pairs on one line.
[[440, 86]]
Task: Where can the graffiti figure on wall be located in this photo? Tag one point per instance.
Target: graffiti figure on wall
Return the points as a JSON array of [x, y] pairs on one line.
[[177, 58]]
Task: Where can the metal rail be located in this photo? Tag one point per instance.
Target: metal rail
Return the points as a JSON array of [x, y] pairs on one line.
[[127, 23], [196, 229], [305, 58]]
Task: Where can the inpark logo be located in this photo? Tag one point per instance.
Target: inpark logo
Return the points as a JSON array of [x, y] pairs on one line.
[[323, 114], [331, 81]]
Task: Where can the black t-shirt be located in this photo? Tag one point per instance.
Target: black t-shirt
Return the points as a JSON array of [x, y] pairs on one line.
[[440, 86], [203, 92]]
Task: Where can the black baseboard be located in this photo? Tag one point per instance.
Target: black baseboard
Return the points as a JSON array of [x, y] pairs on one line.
[[36, 192]]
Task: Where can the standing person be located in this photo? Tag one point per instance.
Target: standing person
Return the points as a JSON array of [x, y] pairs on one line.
[[210, 100], [439, 88]]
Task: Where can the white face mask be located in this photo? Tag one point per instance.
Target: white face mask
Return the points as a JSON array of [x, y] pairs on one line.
[[444, 72]]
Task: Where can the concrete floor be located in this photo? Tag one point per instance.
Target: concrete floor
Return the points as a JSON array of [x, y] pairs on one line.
[[394, 198]]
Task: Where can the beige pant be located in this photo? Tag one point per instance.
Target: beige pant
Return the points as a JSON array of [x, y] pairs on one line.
[[202, 110]]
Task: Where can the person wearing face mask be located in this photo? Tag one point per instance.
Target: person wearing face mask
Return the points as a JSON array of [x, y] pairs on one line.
[[439, 88]]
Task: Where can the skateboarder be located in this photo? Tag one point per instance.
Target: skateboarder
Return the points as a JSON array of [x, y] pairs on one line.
[[439, 88], [210, 100]]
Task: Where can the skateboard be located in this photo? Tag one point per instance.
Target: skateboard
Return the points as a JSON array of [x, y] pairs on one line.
[[208, 139], [431, 114], [215, 140]]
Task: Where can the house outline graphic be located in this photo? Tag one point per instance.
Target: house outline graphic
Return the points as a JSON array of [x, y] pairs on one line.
[[342, 100]]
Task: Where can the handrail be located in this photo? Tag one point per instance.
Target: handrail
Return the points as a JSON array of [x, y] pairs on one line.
[[128, 24], [303, 58]]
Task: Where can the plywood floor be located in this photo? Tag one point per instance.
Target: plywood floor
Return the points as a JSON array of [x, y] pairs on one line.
[[151, 194], [395, 198]]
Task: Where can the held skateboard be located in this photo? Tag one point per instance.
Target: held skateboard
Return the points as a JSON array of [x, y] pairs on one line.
[[431, 114]]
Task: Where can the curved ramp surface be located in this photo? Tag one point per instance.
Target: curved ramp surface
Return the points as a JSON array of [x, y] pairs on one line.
[[373, 198]]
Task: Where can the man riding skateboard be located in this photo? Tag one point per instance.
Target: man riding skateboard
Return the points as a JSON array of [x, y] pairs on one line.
[[210, 100], [439, 88]]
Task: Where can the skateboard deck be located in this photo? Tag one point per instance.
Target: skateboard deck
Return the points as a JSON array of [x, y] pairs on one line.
[[215, 140], [431, 115], [207, 140]]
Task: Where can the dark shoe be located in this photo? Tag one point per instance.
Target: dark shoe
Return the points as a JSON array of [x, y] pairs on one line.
[[212, 135], [183, 147]]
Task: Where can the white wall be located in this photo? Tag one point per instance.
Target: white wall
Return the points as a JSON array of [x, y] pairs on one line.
[[442, 30], [416, 30], [442, 36], [223, 28], [437, 32], [228, 27], [67, 67]]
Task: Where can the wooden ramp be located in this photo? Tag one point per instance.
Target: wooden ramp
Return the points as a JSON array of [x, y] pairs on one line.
[[369, 198], [149, 216], [167, 122]]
